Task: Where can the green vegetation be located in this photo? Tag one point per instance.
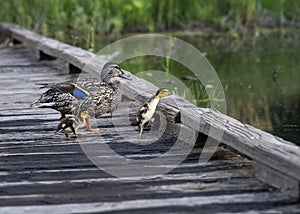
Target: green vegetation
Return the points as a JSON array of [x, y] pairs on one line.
[[77, 21]]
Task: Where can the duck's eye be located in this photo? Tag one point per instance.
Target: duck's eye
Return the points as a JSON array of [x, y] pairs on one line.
[[117, 67]]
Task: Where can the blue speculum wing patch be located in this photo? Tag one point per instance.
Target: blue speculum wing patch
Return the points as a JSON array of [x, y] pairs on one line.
[[79, 94]]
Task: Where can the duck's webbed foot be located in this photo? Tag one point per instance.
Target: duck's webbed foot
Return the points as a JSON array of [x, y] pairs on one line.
[[89, 127]]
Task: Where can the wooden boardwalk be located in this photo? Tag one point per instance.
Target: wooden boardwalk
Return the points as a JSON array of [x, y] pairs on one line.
[[44, 173]]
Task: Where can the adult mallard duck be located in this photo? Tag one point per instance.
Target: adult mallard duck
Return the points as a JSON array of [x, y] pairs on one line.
[[106, 98], [74, 98], [71, 124], [146, 111]]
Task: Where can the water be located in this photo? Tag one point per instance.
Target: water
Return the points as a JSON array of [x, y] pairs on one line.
[[261, 83], [262, 89]]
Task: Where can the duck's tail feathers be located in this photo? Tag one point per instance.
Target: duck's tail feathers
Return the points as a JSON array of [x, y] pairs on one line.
[[67, 87], [41, 105], [42, 85]]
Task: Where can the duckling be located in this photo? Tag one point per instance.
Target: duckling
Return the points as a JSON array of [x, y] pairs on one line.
[[146, 111], [71, 124], [67, 96]]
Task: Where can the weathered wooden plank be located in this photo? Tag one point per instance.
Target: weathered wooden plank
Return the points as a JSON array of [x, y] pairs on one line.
[[53, 158], [277, 179], [65, 195], [218, 178], [258, 145], [215, 169], [202, 203]]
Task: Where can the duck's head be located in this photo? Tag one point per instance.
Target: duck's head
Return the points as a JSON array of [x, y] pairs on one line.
[[111, 70], [162, 92]]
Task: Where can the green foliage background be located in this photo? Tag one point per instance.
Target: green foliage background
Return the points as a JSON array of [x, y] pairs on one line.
[[56, 18]]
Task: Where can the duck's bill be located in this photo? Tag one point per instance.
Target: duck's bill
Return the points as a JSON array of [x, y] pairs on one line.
[[125, 75]]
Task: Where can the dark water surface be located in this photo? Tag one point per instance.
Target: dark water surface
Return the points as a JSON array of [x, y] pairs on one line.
[[261, 83], [262, 89]]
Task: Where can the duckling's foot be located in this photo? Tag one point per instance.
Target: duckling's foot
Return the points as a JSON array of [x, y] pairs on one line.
[[141, 131]]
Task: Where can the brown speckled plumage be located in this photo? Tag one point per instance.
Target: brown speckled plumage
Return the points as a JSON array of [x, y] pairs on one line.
[[105, 99], [61, 102], [94, 96]]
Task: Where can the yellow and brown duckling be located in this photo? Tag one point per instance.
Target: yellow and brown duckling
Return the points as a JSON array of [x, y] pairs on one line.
[[71, 124], [146, 111]]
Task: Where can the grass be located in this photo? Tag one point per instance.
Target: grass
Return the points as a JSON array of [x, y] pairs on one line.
[[79, 21], [168, 57], [192, 90]]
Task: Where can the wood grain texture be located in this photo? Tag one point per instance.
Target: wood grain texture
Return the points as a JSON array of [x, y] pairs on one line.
[[42, 172], [197, 204], [258, 145]]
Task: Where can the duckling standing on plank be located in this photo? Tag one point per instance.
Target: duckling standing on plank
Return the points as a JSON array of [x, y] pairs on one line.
[[146, 111], [71, 124]]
